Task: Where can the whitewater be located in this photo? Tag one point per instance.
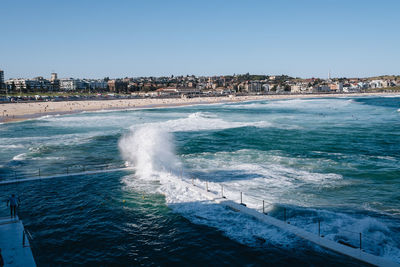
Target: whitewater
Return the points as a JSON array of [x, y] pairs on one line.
[[329, 160]]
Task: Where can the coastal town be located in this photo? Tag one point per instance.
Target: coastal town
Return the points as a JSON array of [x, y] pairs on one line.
[[193, 86]]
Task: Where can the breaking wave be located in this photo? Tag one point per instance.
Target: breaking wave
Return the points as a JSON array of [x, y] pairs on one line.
[[201, 121]]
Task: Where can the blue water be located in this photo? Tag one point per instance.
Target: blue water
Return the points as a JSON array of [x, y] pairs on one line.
[[332, 160]]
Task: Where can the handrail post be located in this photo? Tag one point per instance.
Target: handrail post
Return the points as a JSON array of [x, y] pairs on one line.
[[39, 172], [192, 181], [207, 186], [241, 198], [263, 206], [67, 170], [222, 191], [319, 228], [360, 242]]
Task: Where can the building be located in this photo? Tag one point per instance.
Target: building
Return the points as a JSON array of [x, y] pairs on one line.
[[41, 84], [189, 92], [336, 87], [299, 88], [376, 84], [94, 84], [1, 79], [182, 92], [321, 89], [171, 92], [254, 86], [362, 85], [117, 86], [28, 85], [11, 85], [70, 84], [53, 77], [55, 82], [351, 89], [266, 87]]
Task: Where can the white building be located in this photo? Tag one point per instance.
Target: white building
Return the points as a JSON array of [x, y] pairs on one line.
[[363, 85], [34, 84], [351, 89], [95, 84], [167, 92], [376, 84], [299, 88], [71, 84], [16, 84]]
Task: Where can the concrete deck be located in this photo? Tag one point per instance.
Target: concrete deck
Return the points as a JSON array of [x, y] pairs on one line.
[[12, 250]]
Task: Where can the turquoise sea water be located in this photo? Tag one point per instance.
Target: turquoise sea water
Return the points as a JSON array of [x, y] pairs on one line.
[[331, 160]]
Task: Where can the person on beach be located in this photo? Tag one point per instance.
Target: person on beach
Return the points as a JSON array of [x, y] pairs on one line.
[[14, 202]]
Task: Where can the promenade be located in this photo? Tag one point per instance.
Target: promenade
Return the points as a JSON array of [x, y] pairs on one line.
[[14, 243]]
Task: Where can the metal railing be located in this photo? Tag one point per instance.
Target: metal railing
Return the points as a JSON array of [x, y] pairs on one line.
[[26, 236], [44, 172]]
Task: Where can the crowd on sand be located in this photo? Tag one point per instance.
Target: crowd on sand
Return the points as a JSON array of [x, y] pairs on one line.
[[27, 110]]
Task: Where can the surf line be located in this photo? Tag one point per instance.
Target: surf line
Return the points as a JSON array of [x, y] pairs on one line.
[[355, 253], [36, 178]]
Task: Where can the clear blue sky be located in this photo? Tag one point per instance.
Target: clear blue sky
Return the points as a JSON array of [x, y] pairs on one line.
[[94, 38]]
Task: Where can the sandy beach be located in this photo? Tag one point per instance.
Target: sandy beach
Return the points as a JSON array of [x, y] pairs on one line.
[[11, 112]]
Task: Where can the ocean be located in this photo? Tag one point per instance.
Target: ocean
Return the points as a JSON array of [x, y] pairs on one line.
[[335, 161]]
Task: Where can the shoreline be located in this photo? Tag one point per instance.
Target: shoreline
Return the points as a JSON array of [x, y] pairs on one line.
[[15, 112]]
